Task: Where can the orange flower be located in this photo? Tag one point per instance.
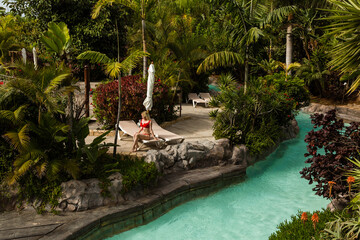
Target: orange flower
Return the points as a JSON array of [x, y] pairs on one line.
[[331, 183], [350, 179], [315, 219], [304, 217]]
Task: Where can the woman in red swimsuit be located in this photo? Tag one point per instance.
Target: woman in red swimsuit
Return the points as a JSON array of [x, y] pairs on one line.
[[145, 131]]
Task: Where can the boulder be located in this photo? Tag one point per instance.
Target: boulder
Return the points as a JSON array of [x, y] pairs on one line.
[[337, 204], [72, 188]]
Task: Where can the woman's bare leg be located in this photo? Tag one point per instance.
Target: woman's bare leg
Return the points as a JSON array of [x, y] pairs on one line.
[[137, 137]]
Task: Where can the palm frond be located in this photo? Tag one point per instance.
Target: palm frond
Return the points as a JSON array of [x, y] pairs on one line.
[[131, 61], [102, 3], [113, 69], [19, 140], [94, 57], [56, 82], [220, 59]]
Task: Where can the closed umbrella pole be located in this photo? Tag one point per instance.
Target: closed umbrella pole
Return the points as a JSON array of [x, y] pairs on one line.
[[148, 102]]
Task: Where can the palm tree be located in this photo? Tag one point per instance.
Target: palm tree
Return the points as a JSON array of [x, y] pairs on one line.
[[40, 146], [113, 68], [43, 87], [243, 33], [345, 26], [140, 7]]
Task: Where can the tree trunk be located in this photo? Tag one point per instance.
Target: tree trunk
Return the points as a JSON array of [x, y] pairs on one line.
[[71, 118], [289, 43], [246, 68], [119, 91], [118, 117], [144, 46], [289, 46]]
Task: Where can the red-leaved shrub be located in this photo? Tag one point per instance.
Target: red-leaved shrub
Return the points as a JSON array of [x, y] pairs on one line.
[[133, 94]]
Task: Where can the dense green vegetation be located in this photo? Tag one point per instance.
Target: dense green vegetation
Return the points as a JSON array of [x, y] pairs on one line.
[[267, 57]]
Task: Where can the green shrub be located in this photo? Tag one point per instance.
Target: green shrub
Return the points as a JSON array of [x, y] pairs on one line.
[[253, 118], [133, 93], [296, 229], [33, 189], [294, 87], [135, 172]]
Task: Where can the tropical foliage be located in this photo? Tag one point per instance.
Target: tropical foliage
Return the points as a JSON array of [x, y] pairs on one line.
[[329, 149], [256, 117]]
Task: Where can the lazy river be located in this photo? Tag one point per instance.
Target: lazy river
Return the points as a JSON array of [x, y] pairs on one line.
[[271, 193]]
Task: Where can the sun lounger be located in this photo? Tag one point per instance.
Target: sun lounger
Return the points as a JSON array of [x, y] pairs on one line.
[[169, 137], [129, 127], [205, 96], [196, 99]]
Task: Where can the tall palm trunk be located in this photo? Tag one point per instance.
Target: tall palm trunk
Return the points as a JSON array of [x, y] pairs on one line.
[[289, 43], [119, 92], [143, 37], [246, 68]]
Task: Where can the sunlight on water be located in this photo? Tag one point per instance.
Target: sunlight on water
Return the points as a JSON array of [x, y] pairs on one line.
[[271, 193]]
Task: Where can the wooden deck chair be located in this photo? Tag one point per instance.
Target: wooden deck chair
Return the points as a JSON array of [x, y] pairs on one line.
[[169, 137], [205, 96], [129, 127], [195, 99]]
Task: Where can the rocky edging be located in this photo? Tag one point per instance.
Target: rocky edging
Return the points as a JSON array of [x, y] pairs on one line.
[[343, 112], [172, 191]]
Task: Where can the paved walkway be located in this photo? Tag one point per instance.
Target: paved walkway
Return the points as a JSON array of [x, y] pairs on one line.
[[194, 125]]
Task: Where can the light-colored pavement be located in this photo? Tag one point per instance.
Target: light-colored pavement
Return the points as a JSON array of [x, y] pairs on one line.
[[194, 125]]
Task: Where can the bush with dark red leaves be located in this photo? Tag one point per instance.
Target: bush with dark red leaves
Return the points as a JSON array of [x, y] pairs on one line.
[[133, 94], [329, 148]]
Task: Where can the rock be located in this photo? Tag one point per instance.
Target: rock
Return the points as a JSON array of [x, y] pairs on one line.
[[192, 162], [337, 204], [63, 205], [224, 142], [167, 159], [115, 187], [197, 146], [185, 164], [72, 188], [183, 148], [217, 153], [195, 154], [71, 208], [238, 156], [92, 185], [208, 144]]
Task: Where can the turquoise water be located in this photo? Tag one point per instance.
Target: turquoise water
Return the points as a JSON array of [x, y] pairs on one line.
[[271, 193]]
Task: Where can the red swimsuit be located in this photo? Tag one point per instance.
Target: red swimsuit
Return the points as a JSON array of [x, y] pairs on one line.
[[144, 125]]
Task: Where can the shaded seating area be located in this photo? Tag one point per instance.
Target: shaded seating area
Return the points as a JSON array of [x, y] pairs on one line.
[[205, 96], [129, 127], [196, 99]]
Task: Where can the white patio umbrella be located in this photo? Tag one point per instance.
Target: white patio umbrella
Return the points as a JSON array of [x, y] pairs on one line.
[[23, 53], [35, 58], [148, 102]]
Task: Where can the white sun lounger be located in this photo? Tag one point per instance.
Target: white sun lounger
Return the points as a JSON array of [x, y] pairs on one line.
[[169, 137], [195, 99], [205, 96], [129, 127]]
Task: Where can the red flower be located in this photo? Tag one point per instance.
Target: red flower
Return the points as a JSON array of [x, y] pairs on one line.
[[1, 83]]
